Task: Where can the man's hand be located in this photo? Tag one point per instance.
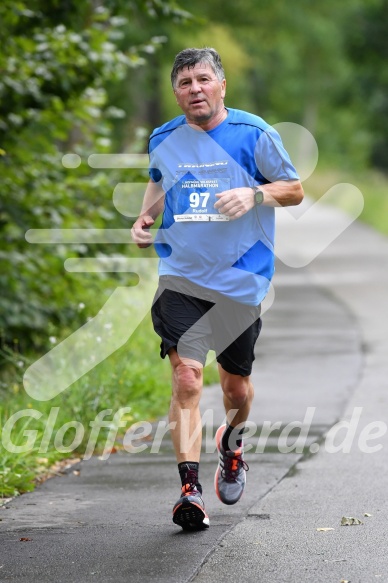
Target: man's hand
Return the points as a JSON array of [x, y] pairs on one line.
[[140, 231], [236, 202]]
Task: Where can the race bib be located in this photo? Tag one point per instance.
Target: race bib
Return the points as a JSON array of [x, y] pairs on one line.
[[195, 199]]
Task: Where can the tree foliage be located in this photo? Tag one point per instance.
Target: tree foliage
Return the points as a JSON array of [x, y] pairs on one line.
[[368, 50], [58, 60]]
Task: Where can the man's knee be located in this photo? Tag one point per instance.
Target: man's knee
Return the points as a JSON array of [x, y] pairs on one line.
[[187, 379], [237, 389]]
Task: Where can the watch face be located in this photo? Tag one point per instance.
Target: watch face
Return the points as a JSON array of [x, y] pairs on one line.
[[259, 196]]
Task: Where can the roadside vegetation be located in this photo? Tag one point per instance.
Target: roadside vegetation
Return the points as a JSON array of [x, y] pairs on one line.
[[134, 379], [372, 183]]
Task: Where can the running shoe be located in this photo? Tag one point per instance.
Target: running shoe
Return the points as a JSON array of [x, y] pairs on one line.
[[230, 478], [189, 511]]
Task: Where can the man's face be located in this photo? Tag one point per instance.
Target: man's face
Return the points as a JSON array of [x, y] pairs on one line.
[[199, 93]]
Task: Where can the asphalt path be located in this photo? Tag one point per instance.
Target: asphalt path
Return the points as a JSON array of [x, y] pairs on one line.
[[322, 353]]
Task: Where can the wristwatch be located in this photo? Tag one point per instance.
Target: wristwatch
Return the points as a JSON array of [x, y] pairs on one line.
[[258, 195]]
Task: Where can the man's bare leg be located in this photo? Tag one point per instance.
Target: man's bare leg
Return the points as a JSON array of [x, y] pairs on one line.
[[238, 396], [189, 511], [230, 477], [187, 380]]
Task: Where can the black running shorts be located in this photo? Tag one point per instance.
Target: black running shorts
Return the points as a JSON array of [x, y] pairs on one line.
[[193, 320]]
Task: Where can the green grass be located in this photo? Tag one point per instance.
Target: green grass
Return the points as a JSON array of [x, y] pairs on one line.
[[372, 184], [134, 376]]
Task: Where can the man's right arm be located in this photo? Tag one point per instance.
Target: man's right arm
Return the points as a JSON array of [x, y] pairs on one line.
[[153, 204]]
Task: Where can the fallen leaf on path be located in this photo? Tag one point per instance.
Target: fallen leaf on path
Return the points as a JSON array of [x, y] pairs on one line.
[[324, 529], [109, 450], [349, 521], [344, 581], [24, 539], [57, 469], [76, 472], [367, 514]]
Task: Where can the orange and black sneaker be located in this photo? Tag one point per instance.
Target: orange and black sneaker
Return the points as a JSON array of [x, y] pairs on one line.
[[230, 477], [189, 511]]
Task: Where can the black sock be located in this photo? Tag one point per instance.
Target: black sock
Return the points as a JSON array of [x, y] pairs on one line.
[[188, 472], [232, 438]]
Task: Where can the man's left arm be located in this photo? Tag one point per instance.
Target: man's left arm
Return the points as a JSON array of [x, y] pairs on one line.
[[236, 202]]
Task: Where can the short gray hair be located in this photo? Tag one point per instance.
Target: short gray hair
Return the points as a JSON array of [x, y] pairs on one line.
[[191, 57]]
